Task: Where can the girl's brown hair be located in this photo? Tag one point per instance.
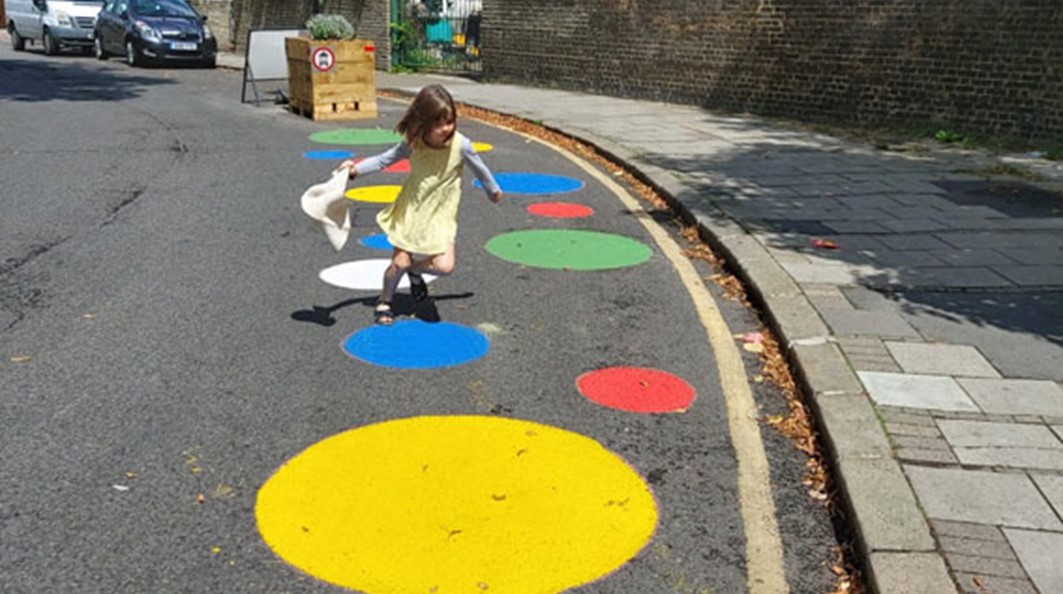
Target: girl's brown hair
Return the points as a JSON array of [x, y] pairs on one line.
[[432, 104]]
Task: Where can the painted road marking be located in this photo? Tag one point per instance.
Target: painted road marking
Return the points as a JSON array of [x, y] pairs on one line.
[[560, 210], [456, 505], [636, 389], [376, 242], [482, 147], [356, 136], [535, 183], [401, 166], [765, 570], [416, 344], [374, 194], [570, 249], [328, 155], [362, 275]]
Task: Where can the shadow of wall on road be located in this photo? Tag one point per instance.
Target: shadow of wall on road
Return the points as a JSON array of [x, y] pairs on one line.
[[53, 80]]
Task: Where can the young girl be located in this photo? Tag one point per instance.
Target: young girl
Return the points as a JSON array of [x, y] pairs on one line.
[[422, 223]]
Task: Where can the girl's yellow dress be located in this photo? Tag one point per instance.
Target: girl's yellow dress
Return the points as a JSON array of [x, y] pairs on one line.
[[424, 217]]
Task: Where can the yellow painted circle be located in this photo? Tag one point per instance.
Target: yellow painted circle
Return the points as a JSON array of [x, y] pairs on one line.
[[456, 504], [379, 194], [482, 147]]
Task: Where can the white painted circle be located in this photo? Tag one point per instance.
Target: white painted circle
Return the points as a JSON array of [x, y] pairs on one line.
[[363, 275]]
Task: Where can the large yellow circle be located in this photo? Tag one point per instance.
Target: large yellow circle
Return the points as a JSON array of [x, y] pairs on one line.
[[456, 505], [379, 194]]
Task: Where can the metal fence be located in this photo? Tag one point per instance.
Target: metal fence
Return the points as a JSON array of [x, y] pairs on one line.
[[436, 35]]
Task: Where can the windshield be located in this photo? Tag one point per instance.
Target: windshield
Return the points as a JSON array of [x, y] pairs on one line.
[[171, 8]]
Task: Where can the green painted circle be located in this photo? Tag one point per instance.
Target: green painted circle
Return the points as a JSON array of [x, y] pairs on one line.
[[356, 136], [568, 249]]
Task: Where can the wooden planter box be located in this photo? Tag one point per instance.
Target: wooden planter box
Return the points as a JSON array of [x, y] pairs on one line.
[[331, 79]]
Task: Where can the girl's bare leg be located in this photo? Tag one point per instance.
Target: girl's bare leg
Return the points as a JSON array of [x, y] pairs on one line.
[[438, 265], [400, 263]]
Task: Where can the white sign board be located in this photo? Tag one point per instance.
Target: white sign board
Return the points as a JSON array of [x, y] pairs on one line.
[[265, 59]]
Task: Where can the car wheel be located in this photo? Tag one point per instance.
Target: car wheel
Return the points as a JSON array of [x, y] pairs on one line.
[[210, 63], [101, 54], [18, 43], [50, 47], [131, 56]]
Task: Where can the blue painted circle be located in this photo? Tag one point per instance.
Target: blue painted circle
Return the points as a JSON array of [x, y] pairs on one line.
[[328, 155], [377, 242], [416, 344], [535, 183]]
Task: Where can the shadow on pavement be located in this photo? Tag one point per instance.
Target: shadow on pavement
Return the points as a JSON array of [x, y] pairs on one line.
[[914, 237]]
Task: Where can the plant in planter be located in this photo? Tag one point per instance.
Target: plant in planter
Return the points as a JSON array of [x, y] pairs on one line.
[[331, 74]]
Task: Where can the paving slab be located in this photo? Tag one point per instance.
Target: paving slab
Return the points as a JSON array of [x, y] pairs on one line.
[[1015, 396], [1039, 553], [981, 497], [941, 359], [1031, 458], [910, 573], [1000, 435], [916, 391], [869, 323], [1052, 488]]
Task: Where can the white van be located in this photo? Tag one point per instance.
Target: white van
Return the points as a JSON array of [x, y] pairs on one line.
[[54, 24]]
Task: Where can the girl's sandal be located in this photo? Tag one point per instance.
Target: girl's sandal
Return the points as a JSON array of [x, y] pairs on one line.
[[382, 315], [418, 286]]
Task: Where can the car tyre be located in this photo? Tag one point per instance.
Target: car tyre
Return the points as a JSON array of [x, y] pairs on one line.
[[131, 56], [51, 48], [18, 43], [210, 63], [97, 45]]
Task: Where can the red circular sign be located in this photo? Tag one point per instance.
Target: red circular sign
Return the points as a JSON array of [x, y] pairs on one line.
[[323, 59], [636, 389]]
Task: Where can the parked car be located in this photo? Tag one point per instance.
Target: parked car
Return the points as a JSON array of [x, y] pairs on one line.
[[55, 24], [147, 31]]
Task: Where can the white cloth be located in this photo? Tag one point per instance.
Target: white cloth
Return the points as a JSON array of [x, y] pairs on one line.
[[326, 203]]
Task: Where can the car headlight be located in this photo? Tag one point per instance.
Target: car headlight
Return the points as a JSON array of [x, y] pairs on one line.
[[146, 31], [207, 33], [62, 18]]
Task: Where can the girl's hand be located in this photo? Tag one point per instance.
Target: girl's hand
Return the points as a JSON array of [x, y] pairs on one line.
[[495, 196]]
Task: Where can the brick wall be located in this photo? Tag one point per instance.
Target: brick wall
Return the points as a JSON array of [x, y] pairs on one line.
[[975, 66], [369, 17], [219, 17]]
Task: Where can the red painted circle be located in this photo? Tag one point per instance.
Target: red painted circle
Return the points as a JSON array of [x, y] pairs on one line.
[[636, 389], [402, 166], [560, 210]]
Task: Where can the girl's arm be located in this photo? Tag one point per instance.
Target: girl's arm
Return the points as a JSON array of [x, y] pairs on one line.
[[377, 162], [473, 160]]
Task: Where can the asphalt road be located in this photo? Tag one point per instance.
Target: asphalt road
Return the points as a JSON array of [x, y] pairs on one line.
[[166, 344]]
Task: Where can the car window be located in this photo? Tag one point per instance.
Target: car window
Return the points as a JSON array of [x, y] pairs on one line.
[[163, 8], [121, 6]]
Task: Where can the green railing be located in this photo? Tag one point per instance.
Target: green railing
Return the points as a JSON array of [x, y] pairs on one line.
[[436, 36]]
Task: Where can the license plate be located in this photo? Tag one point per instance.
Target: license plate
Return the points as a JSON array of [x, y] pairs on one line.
[[183, 46]]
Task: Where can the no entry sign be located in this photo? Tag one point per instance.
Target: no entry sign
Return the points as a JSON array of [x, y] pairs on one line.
[[323, 59]]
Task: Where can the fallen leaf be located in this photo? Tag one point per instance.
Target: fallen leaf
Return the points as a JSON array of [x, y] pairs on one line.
[[88, 316], [129, 474], [825, 244], [215, 550], [755, 337], [753, 347], [20, 358]]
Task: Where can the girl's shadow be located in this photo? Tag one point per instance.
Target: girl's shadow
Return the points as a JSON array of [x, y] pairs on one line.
[[402, 306]]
